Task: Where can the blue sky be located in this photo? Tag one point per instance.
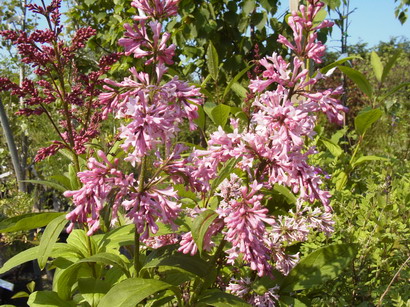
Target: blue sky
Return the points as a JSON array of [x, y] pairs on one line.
[[372, 21]]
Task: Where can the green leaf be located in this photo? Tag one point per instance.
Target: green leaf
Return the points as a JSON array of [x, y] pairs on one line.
[[66, 251], [220, 114], [201, 225], [284, 191], [48, 239], [239, 90], [392, 91], [168, 256], [212, 61], [377, 66], [117, 237], [93, 289], [200, 121], [22, 257], [338, 63], [291, 301], [235, 79], [20, 295], [69, 275], [108, 259], [85, 244], [62, 180], [248, 7], [332, 4], [130, 292], [50, 184], [72, 174], [341, 181], [318, 267], [224, 173], [48, 299], [363, 159], [334, 149], [217, 298], [28, 221], [365, 119], [30, 286], [358, 78], [208, 107], [390, 64], [320, 16]]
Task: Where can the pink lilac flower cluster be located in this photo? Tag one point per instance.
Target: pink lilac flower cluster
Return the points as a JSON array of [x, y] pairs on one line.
[[103, 182], [152, 109], [242, 288], [69, 102], [272, 151]]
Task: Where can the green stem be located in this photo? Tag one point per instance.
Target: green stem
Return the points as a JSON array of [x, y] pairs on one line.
[[137, 264], [198, 288], [356, 149], [141, 178]]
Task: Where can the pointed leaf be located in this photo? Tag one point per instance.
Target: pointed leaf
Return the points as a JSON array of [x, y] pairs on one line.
[[22, 257], [93, 289], [117, 237], [225, 171], [358, 78], [341, 181], [318, 267], [69, 275], [239, 90], [248, 6], [391, 92], [235, 79], [365, 119], [208, 107], [132, 291], [390, 64], [212, 61], [50, 236], [363, 159], [19, 295], [220, 114], [284, 191], [200, 121], [50, 184], [334, 149], [28, 221], [337, 63], [201, 225], [217, 298], [72, 175], [377, 66], [168, 256], [48, 299], [85, 244]]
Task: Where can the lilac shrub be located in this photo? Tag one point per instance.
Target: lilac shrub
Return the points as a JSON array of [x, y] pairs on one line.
[[245, 239], [271, 150]]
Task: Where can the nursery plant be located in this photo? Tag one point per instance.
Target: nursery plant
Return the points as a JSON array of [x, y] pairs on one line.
[[158, 221]]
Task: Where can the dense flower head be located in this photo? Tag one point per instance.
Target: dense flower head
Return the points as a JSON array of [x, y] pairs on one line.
[[304, 35], [139, 43], [242, 288], [156, 9]]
